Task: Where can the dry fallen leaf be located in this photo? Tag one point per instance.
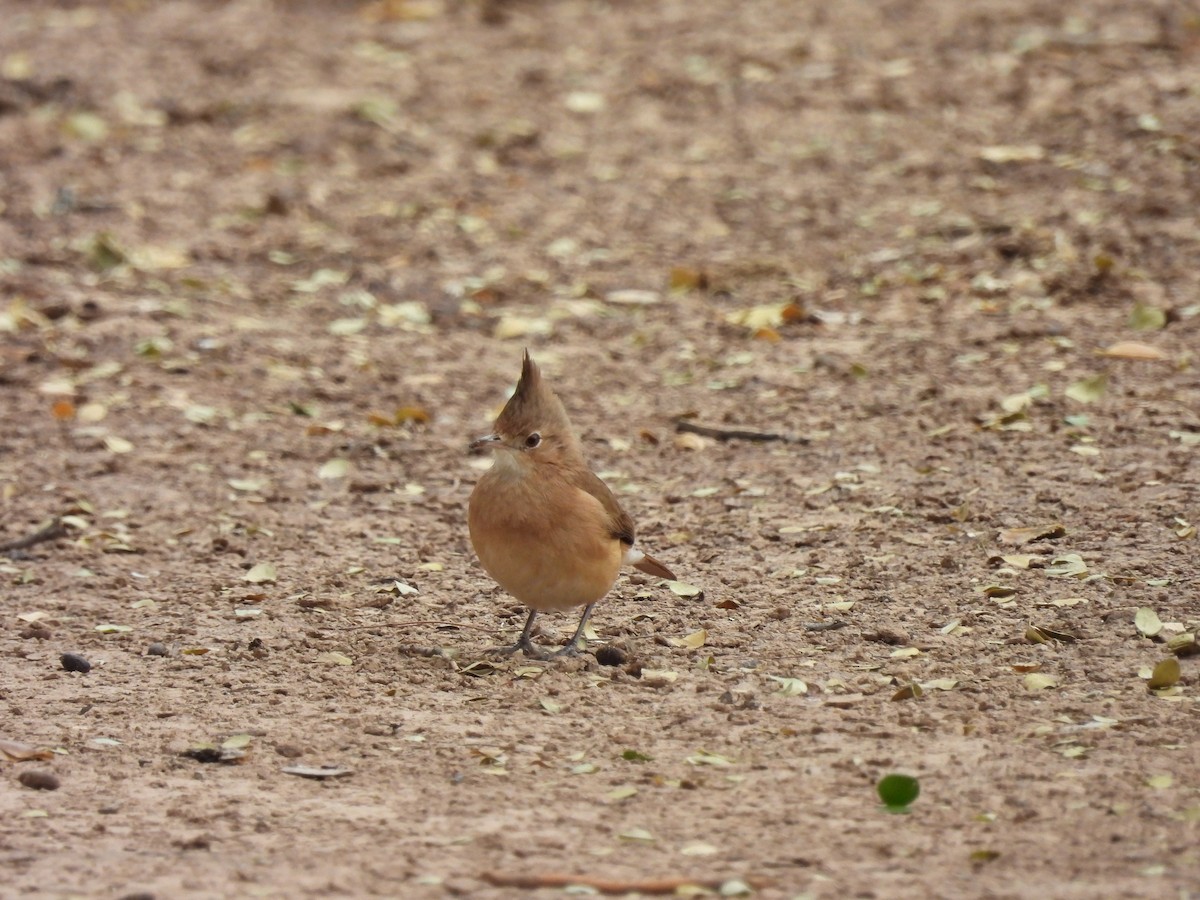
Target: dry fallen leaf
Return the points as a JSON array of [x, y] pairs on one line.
[[658, 677], [508, 327], [639, 835], [1144, 317], [16, 751], [1032, 533], [118, 445], [1184, 644], [633, 297], [693, 641], [1088, 390], [334, 469], [318, 772], [790, 687], [251, 485], [708, 758], [689, 441], [910, 691], [940, 684], [1166, 672], [1069, 565], [263, 573], [1006, 153], [1040, 634], [1147, 622], [1038, 681], [1133, 350]]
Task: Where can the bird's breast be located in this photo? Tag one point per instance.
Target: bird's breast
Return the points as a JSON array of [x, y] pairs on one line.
[[546, 542]]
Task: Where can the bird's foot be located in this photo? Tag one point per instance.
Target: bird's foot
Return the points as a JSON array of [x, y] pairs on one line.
[[571, 649], [525, 645]]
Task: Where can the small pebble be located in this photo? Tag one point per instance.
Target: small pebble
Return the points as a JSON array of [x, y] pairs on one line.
[[73, 662], [157, 649], [896, 637], [39, 781], [610, 656]]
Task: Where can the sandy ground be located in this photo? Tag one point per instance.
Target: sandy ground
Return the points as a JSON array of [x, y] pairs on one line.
[[266, 268]]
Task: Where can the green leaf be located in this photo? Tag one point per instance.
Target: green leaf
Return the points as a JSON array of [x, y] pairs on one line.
[[635, 756], [1165, 673], [898, 791], [1147, 318], [1088, 390], [1147, 622]]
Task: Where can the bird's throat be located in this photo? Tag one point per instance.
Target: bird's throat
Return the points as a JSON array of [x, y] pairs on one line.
[[510, 466]]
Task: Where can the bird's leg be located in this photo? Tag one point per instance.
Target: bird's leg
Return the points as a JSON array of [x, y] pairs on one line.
[[572, 648], [524, 642]]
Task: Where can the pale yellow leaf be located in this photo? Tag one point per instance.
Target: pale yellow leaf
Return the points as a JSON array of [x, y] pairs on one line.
[[334, 469], [693, 641], [1038, 681], [116, 444], [263, 573]]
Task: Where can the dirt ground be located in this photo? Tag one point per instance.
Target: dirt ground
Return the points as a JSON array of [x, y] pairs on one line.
[[265, 268]]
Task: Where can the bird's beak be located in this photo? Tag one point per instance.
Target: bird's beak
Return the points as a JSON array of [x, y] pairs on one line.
[[482, 442]]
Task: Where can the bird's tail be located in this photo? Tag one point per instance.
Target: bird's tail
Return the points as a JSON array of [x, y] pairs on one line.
[[652, 566]]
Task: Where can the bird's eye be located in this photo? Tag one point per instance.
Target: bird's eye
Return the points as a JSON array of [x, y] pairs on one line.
[[532, 441]]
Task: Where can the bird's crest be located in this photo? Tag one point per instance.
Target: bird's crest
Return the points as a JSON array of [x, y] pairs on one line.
[[533, 405]]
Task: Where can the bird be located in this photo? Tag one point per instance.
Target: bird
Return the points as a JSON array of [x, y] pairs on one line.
[[544, 526]]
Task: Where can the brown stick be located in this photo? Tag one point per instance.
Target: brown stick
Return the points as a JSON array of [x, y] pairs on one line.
[[607, 885], [413, 625], [825, 626], [737, 434], [50, 532]]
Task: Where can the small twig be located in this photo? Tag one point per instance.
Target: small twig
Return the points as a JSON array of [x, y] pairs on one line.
[[737, 434], [824, 626], [51, 532], [608, 885], [413, 625]]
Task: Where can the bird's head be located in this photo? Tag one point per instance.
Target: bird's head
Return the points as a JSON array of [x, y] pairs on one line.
[[533, 426]]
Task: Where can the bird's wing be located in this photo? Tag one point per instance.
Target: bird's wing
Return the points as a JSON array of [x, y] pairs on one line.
[[619, 522]]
